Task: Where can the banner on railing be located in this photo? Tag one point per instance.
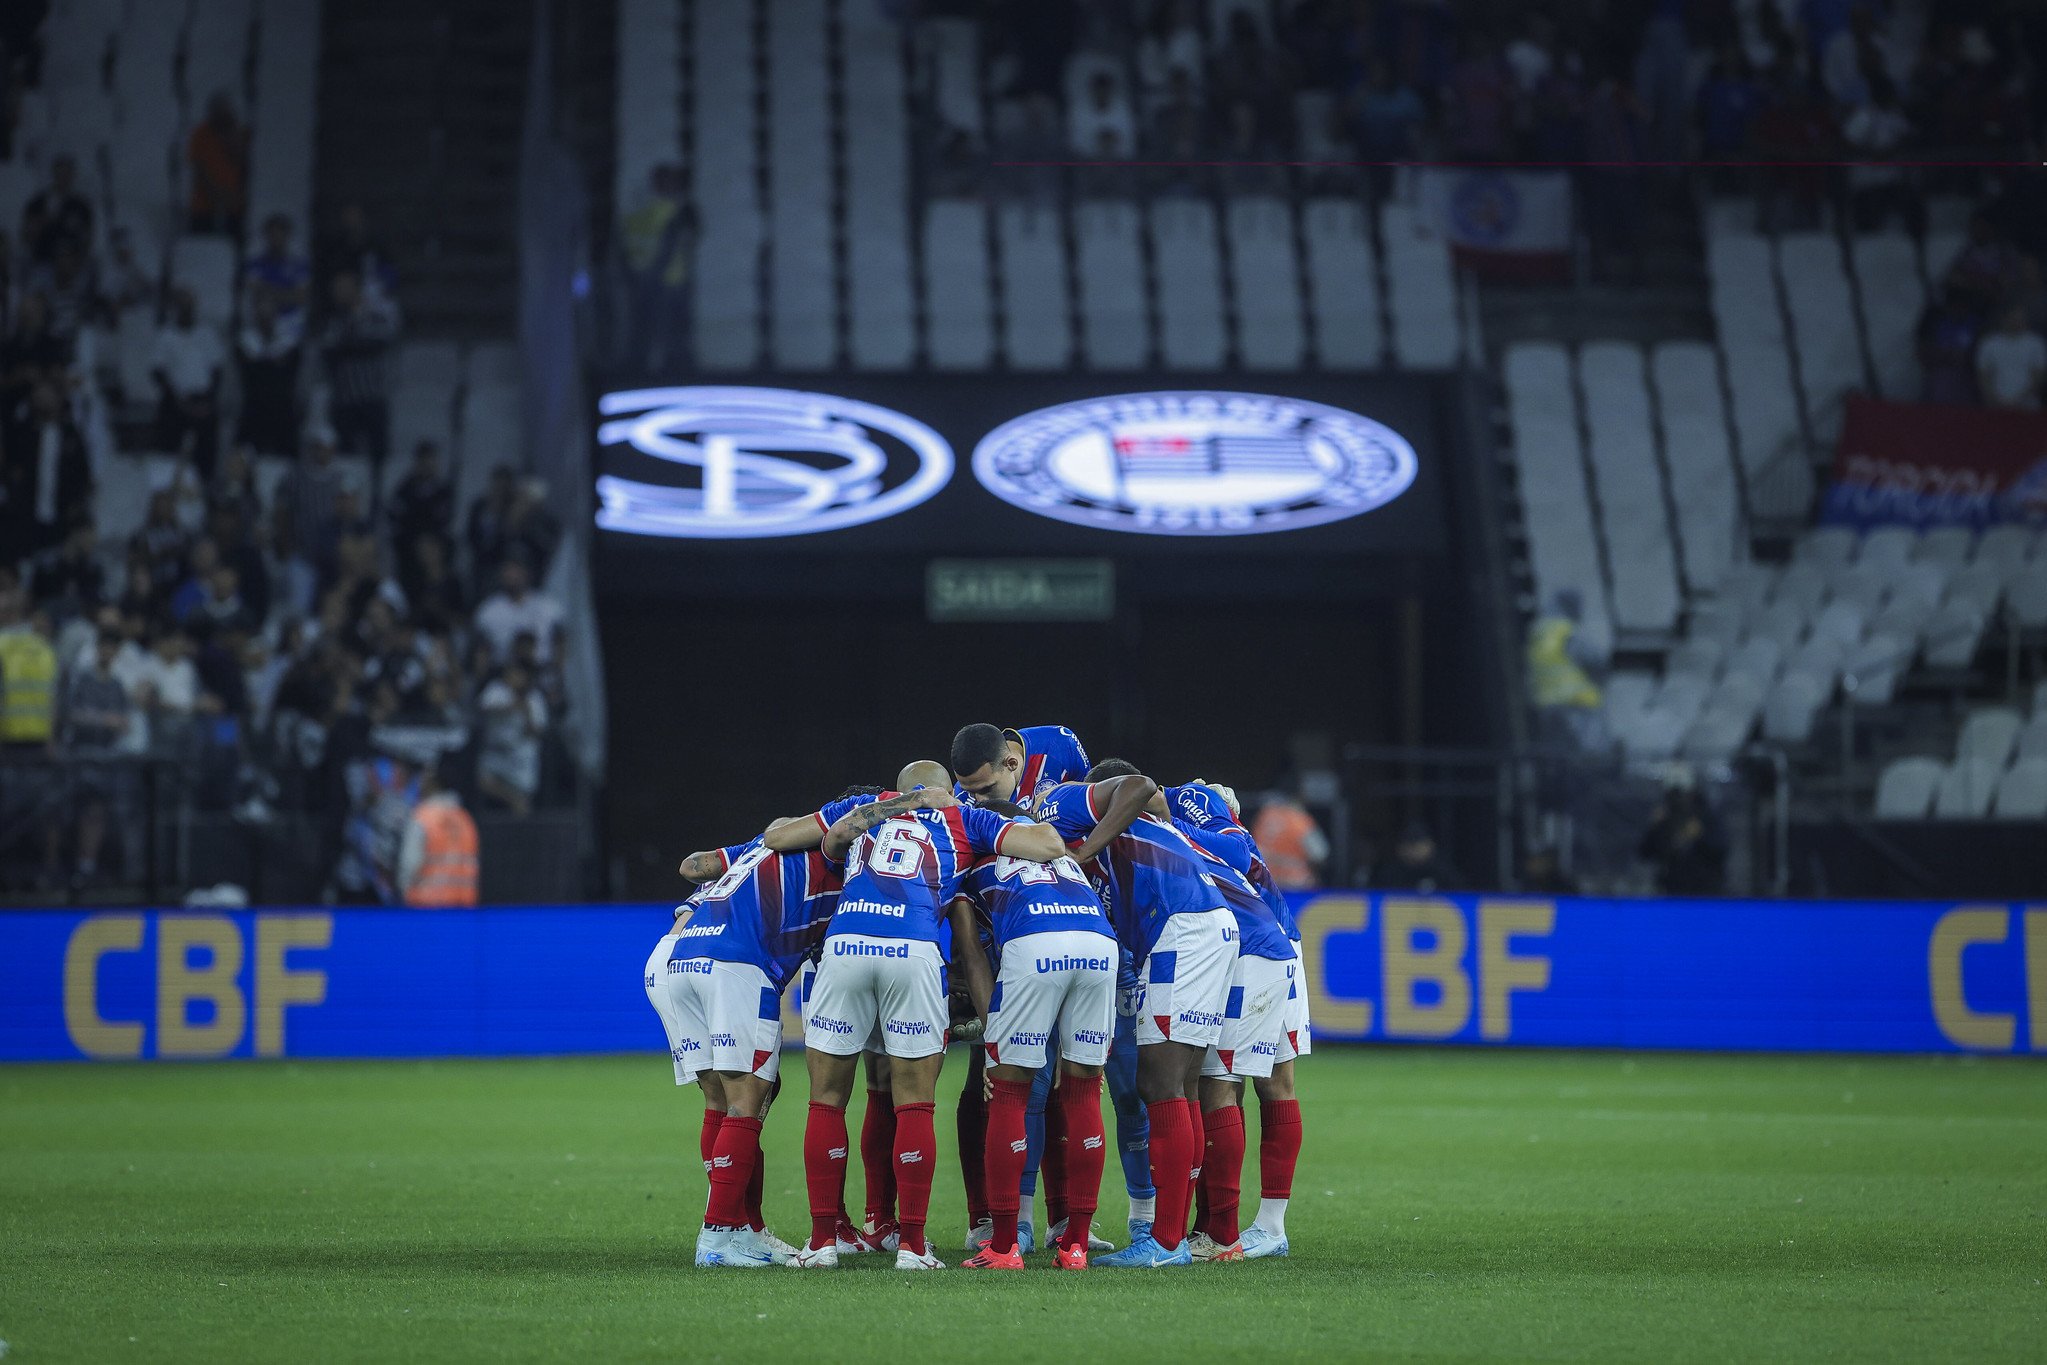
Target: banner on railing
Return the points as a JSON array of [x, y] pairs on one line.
[[1928, 464], [1502, 224], [1890, 976]]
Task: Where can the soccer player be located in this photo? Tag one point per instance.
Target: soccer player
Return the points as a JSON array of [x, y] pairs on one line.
[[882, 976], [1166, 909], [1054, 1001], [716, 981], [1254, 1026], [1007, 765]]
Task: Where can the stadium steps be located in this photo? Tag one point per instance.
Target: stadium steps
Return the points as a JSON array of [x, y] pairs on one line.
[[419, 121]]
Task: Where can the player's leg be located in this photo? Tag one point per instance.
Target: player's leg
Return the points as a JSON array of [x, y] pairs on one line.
[[970, 1120], [745, 1016], [1039, 1137], [1085, 1029], [1024, 1006], [1133, 1131], [911, 1004], [840, 1017], [1279, 1149], [1052, 1148], [877, 1151], [1253, 1030]]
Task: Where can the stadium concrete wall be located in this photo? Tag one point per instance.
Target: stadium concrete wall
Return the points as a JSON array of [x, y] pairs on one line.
[[1867, 976]]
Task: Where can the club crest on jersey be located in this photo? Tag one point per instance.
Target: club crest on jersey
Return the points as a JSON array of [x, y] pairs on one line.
[[747, 462], [1195, 463]]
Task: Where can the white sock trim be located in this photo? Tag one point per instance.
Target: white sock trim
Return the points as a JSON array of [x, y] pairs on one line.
[[1144, 1210]]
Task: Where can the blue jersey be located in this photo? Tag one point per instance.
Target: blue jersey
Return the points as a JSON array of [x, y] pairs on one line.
[[1021, 898], [1153, 872], [1052, 753], [903, 874], [1218, 831], [768, 910]]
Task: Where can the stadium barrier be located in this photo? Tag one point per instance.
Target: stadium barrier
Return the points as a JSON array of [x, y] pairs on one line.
[[1869, 976]]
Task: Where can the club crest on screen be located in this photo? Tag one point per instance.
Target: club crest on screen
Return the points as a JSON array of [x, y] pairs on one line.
[[1195, 463], [758, 462]]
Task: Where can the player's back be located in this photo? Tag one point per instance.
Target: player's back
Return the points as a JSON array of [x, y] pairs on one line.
[[1052, 753], [901, 875], [1021, 898], [1255, 898], [1259, 931], [767, 909], [1153, 871]]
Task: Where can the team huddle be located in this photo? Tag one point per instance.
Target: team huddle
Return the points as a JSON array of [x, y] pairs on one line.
[[1096, 925]]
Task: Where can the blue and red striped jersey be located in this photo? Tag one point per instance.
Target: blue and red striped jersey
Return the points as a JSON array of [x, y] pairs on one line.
[[767, 909], [1207, 820], [1052, 753], [902, 875], [1022, 898], [1152, 870]]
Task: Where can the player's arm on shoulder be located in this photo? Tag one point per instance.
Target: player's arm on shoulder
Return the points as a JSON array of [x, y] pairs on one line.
[[706, 866], [1115, 804], [794, 833], [860, 819], [1029, 841], [967, 956]]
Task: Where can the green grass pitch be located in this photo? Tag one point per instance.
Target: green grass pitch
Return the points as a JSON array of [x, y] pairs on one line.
[[1451, 1205]]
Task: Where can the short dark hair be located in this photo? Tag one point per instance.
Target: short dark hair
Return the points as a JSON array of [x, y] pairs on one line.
[[1001, 807], [976, 746], [1111, 767], [859, 789]]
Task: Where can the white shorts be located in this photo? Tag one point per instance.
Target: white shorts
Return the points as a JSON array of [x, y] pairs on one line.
[[719, 1016], [893, 988], [809, 986], [1186, 980], [1296, 1042], [1254, 1021], [1053, 987]]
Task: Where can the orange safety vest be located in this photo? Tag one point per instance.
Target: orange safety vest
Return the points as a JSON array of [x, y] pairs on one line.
[[447, 874], [1282, 835]]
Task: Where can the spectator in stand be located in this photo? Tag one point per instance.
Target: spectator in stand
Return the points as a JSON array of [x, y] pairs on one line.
[[355, 349], [1170, 48], [1794, 128], [199, 567], [1877, 131], [422, 506], [1102, 127], [431, 586], [46, 476], [159, 547], [231, 531], [308, 498], [2011, 363], [1417, 865], [217, 154], [97, 715], [1543, 875], [1388, 116], [511, 517], [125, 283], [515, 608], [1987, 272], [514, 722], [1947, 350], [34, 354], [352, 247], [186, 364], [68, 283], [174, 698], [437, 865], [68, 581], [278, 273], [57, 215], [660, 246], [268, 349], [1293, 844], [1685, 843], [1728, 102]]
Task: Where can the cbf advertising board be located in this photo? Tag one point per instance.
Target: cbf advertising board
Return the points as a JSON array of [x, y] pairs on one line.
[[1885, 976]]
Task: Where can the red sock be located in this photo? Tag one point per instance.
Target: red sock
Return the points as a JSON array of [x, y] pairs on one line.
[[707, 1136], [739, 1145], [1222, 1170], [1004, 1162], [824, 1170], [877, 1156], [1085, 1148], [972, 1119], [916, 1154], [1052, 1165], [1199, 1195], [1279, 1147], [1172, 1158], [757, 1186]]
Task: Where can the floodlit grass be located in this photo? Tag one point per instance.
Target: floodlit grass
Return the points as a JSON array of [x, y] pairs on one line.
[[1451, 1205]]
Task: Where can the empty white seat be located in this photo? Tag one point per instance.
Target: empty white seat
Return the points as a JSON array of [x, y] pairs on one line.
[[1865, 586], [1904, 618], [1781, 622], [648, 114], [1952, 633], [1925, 581], [2028, 599], [1683, 694], [1633, 518], [1819, 657], [1823, 325], [1950, 546], [2022, 791], [803, 288], [1988, 734], [1870, 672], [1695, 654], [1717, 735], [726, 326], [1421, 289], [1889, 547], [1966, 789], [1343, 285], [1979, 585], [959, 316], [1037, 329], [1115, 329], [1840, 621], [1739, 694], [205, 264], [1830, 547], [2032, 742], [1803, 585], [1794, 704], [1187, 264], [952, 70], [1888, 287], [2004, 547], [1265, 287], [1628, 691], [1905, 790]]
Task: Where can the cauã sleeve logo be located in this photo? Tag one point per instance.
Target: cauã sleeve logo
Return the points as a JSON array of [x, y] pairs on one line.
[[757, 462], [1195, 463]]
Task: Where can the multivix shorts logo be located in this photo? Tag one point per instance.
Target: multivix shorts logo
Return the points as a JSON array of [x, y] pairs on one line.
[[764, 462], [1195, 463]]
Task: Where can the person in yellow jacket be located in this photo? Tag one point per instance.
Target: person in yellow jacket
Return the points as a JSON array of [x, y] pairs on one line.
[[28, 678], [1568, 702], [437, 863], [659, 241]]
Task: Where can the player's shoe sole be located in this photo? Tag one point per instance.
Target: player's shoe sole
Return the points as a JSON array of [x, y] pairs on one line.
[[910, 1260], [988, 1258]]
